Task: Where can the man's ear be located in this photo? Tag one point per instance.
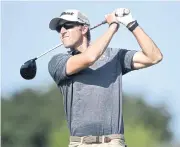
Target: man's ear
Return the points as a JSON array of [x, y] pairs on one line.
[[85, 29]]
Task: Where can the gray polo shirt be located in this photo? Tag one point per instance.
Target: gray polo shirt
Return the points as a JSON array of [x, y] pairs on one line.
[[93, 96]]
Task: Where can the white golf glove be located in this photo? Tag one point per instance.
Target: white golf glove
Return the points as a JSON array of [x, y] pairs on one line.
[[124, 16]]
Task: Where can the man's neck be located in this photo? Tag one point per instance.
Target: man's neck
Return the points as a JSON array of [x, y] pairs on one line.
[[82, 47]]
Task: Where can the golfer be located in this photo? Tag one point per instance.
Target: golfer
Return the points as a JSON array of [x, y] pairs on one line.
[[89, 75]]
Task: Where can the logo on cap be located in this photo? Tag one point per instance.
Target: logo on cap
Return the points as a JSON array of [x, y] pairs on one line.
[[67, 13]]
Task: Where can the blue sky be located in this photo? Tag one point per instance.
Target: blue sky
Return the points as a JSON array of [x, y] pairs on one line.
[[25, 35]]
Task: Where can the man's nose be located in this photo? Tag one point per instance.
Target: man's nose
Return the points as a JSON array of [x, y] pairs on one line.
[[63, 30]]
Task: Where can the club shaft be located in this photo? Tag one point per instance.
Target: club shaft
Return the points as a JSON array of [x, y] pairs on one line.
[[103, 22], [49, 50]]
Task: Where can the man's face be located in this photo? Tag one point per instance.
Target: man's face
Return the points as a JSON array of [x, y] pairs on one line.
[[71, 34]]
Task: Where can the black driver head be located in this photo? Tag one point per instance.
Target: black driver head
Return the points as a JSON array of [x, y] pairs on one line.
[[28, 69]]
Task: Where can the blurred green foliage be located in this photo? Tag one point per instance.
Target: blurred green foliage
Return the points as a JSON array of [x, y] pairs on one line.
[[31, 119]]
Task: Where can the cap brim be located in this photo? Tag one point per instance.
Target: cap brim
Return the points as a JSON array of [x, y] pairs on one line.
[[56, 22]]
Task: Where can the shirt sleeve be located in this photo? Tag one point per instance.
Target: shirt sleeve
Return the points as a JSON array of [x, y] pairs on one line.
[[57, 67], [126, 57]]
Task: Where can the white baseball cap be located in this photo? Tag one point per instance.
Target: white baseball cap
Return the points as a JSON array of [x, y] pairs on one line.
[[71, 15]]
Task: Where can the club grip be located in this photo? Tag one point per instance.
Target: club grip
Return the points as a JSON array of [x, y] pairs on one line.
[[103, 22], [120, 13]]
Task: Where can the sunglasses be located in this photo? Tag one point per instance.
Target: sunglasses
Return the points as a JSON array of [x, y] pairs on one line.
[[67, 25]]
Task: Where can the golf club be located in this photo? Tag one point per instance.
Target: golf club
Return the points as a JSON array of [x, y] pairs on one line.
[[29, 68]]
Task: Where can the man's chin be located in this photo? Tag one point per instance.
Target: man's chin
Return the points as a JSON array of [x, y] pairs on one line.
[[68, 46]]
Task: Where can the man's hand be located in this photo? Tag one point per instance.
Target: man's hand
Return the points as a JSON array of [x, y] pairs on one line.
[[111, 19], [124, 16]]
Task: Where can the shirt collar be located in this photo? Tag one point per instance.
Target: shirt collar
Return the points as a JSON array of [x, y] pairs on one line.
[[73, 52]]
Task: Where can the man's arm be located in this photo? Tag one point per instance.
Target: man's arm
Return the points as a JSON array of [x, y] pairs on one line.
[[150, 53], [94, 51]]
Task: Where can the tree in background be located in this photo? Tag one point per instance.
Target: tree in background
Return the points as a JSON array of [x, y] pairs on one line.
[[31, 119]]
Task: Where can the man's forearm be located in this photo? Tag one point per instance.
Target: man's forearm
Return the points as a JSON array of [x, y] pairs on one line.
[[147, 45], [96, 49]]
